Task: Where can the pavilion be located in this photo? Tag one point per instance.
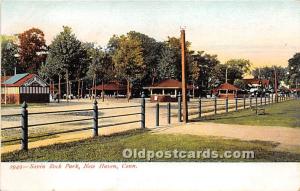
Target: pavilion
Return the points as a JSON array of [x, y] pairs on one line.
[[167, 90], [226, 90]]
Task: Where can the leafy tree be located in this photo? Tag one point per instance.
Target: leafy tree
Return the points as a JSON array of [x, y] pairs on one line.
[[294, 69], [128, 61], [100, 65], [268, 73], [174, 45], [243, 65], [151, 54], [205, 66], [32, 50], [167, 68], [9, 60], [236, 68], [66, 56]]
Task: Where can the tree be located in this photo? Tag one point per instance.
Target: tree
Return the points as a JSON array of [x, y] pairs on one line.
[[9, 60], [236, 69], [100, 65], [32, 50], [150, 52], [173, 44], [204, 65], [294, 69], [66, 56], [128, 61], [167, 68], [268, 73], [241, 64]]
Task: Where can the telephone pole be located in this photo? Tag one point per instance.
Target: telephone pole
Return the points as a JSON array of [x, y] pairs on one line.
[[275, 84], [183, 78]]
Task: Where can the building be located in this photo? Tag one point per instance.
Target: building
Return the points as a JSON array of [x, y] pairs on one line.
[[24, 87], [257, 82], [167, 90], [112, 89], [226, 90]]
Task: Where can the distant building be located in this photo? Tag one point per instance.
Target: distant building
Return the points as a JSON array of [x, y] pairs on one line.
[[24, 87], [112, 89], [166, 90], [226, 90], [257, 82]]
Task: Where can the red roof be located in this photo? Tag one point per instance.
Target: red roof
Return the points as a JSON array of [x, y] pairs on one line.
[[4, 78], [170, 83], [264, 82], [21, 81], [113, 86], [227, 86]]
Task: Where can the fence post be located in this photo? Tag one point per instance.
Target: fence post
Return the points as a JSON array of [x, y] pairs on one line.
[[179, 107], [215, 105], [143, 110], [200, 107], [244, 101], [157, 114], [236, 103], [250, 102], [256, 104], [95, 119], [226, 104], [24, 128], [169, 112], [265, 100], [260, 99], [269, 99], [272, 97]]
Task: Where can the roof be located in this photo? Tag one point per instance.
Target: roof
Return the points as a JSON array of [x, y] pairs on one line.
[[20, 79], [15, 78], [227, 86], [112, 86], [256, 81], [4, 78], [169, 83]]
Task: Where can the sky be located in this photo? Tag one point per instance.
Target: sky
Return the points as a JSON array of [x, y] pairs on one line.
[[265, 32]]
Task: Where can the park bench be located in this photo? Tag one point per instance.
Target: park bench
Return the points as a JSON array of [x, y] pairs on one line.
[[261, 111]]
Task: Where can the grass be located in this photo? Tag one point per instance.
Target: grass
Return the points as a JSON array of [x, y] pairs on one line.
[[110, 148], [285, 114]]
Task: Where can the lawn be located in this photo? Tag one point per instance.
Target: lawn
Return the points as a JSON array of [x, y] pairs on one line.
[[285, 114], [110, 148]]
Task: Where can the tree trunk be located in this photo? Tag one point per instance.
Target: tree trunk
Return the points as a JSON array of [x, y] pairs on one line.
[[78, 90], [95, 87], [67, 80], [193, 90], [102, 91], [81, 89], [128, 90], [59, 88], [94, 77]]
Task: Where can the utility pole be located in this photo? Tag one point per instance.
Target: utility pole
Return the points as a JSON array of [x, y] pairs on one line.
[[183, 78], [226, 74], [275, 84]]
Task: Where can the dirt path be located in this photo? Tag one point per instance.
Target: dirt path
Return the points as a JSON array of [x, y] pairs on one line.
[[288, 138]]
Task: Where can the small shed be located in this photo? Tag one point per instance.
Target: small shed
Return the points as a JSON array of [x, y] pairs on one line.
[[226, 90], [24, 87], [166, 90]]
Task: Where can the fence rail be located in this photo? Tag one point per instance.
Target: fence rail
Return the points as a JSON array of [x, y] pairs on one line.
[[24, 127], [196, 107]]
